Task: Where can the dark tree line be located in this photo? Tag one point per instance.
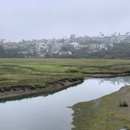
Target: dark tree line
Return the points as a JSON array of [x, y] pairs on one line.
[[119, 50], [9, 53]]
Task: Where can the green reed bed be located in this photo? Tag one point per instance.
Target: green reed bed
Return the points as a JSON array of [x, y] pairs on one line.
[[31, 71]]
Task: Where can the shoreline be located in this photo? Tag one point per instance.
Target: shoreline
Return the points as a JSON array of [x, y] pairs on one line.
[[20, 92], [93, 112]]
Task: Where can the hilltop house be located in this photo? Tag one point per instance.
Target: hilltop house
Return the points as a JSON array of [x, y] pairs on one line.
[[40, 47], [75, 45], [127, 39], [65, 53], [56, 47]]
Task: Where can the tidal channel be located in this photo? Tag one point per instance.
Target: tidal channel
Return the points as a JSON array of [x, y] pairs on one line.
[[51, 111]]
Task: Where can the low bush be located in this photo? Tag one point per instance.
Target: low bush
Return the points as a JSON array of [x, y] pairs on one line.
[[123, 104]]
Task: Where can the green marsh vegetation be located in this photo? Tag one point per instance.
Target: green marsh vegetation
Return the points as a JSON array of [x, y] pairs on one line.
[[40, 72]]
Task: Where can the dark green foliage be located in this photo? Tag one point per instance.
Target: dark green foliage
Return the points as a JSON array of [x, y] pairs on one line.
[[123, 104], [68, 47], [10, 53]]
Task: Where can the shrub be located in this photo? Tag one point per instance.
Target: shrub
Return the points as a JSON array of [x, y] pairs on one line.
[[123, 104]]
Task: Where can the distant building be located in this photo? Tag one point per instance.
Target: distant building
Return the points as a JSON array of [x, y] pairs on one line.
[[111, 44], [56, 47], [40, 47], [102, 46], [120, 38], [65, 53], [95, 38], [75, 45], [9, 46], [23, 52], [126, 39]]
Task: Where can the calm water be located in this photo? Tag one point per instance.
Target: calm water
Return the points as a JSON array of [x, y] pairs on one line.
[[51, 112]]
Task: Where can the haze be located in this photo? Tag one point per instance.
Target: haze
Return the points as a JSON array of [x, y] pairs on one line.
[[38, 19]]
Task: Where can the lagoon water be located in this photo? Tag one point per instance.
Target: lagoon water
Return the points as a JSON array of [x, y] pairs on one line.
[[52, 112]]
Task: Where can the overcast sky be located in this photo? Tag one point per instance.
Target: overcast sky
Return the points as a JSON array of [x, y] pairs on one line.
[[38, 19]]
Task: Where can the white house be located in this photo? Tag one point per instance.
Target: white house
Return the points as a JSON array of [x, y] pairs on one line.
[[102, 46], [75, 45], [65, 53], [40, 47]]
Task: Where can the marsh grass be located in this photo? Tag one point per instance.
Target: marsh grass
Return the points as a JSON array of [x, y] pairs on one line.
[[40, 71], [103, 113]]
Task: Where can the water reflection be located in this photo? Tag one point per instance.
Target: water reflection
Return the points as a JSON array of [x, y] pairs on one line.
[[29, 96], [124, 79]]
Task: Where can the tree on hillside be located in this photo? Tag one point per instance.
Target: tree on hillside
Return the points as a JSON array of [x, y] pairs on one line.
[[67, 47], [2, 52]]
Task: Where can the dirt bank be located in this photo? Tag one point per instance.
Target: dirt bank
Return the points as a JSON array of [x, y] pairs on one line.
[[16, 91], [103, 113]]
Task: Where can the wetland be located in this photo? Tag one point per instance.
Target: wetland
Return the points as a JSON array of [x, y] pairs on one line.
[[53, 110], [36, 94]]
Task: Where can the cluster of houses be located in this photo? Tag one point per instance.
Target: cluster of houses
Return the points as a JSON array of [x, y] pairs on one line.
[[54, 46]]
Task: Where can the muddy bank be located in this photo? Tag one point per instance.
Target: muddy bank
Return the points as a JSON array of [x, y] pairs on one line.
[[103, 113], [20, 91], [17, 91]]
